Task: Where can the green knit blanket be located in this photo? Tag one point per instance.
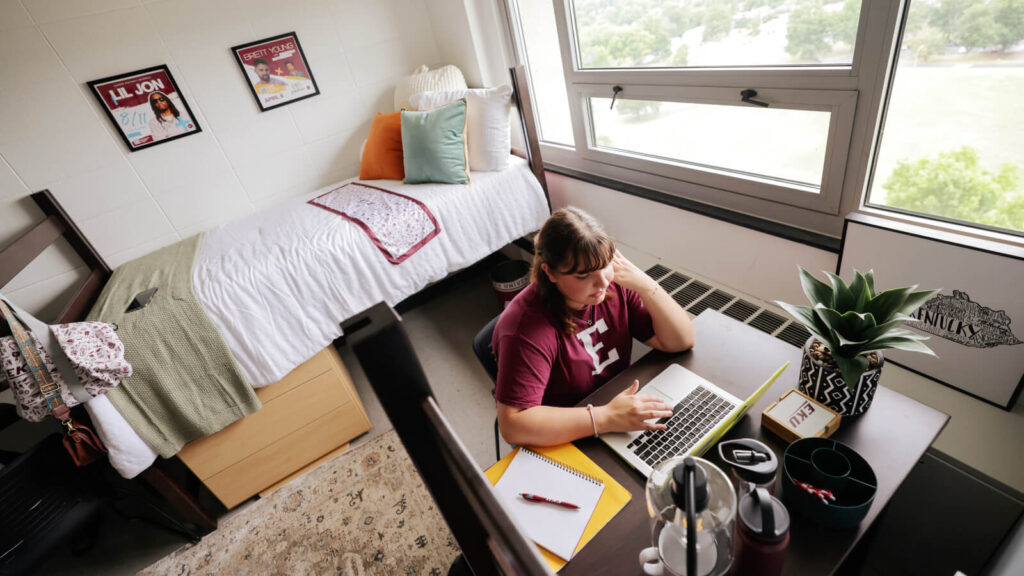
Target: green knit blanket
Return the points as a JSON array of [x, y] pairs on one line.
[[185, 382]]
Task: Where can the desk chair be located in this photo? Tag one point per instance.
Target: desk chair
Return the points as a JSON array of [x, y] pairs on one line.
[[490, 541], [46, 502], [485, 354]]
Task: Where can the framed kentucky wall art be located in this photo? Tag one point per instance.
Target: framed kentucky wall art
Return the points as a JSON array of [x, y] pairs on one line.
[[276, 70], [146, 107], [975, 323]]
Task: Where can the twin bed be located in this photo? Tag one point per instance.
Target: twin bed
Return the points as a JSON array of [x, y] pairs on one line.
[[277, 284]]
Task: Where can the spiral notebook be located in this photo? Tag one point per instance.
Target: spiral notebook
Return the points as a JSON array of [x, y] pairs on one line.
[[556, 528]]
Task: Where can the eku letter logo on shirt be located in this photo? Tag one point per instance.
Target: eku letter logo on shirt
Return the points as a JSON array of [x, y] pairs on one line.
[[593, 348]]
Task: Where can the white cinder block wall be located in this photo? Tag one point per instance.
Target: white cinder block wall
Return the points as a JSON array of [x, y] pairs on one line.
[[54, 135]]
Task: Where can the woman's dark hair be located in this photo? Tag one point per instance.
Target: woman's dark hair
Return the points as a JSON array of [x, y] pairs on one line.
[[570, 242], [170, 105]]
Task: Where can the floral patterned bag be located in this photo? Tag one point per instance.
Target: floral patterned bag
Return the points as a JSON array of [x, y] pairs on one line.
[[96, 356]]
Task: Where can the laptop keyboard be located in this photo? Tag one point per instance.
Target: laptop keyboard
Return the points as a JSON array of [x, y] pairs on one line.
[[693, 417]]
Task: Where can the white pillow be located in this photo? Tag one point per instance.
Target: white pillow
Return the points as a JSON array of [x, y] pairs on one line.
[[444, 78], [487, 132]]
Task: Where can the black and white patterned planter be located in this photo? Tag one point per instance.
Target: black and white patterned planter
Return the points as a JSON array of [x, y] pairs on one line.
[[825, 384]]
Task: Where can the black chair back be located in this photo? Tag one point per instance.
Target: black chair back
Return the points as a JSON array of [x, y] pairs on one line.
[[490, 541], [485, 354], [483, 349]]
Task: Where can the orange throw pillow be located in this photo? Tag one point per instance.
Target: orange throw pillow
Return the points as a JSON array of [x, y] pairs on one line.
[[382, 155]]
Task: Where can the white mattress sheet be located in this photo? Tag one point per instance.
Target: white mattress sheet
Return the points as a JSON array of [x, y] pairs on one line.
[[278, 283]]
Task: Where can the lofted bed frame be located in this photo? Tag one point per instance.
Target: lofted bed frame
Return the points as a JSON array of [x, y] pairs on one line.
[[215, 459]]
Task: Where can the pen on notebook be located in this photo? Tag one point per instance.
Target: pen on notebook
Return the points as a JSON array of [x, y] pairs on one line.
[[536, 498]]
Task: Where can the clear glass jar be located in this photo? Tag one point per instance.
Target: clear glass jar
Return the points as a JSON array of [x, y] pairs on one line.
[[715, 520]]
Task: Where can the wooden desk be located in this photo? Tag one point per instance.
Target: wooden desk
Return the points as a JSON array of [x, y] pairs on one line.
[[892, 435]]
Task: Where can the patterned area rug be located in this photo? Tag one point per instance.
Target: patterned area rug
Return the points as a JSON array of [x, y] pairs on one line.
[[363, 513]]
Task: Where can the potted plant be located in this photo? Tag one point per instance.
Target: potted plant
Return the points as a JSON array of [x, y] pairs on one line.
[[850, 326]]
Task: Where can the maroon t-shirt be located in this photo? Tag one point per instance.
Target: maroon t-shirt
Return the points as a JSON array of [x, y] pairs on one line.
[[539, 364]]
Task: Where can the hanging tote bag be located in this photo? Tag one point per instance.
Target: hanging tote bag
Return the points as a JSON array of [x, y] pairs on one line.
[[87, 360]]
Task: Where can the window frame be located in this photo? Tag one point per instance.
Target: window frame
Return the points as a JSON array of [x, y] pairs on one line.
[[824, 197], [864, 78]]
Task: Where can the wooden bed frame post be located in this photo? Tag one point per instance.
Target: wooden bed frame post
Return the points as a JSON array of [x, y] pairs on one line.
[[524, 101], [87, 294]]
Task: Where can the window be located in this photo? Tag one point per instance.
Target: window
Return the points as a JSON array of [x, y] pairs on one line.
[[674, 33], [650, 93], [539, 48], [953, 144], [670, 95], [705, 136]]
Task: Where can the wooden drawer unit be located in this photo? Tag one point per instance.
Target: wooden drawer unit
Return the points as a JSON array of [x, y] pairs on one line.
[[310, 413]]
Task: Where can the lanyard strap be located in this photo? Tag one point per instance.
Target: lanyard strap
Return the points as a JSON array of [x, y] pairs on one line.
[[47, 387]]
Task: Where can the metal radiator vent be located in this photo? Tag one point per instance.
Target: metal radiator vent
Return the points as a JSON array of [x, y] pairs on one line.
[[696, 296]]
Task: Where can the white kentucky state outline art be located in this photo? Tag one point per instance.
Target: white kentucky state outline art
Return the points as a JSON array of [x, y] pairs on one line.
[[592, 348]]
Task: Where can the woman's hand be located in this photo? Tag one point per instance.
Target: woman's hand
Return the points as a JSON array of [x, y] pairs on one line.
[[673, 331], [629, 276], [630, 411]]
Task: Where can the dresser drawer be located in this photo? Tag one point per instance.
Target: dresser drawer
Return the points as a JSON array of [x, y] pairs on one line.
[[309, 413]]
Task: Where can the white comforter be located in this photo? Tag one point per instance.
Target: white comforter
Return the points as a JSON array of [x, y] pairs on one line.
[[278, 283]]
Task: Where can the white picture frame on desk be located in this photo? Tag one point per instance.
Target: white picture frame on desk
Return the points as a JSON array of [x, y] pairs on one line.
[[975, 323]]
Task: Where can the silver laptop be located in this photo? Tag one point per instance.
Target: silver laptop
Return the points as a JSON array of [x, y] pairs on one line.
[[701, 414]]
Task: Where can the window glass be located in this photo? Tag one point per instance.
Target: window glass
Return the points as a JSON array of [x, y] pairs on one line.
[[953, 145], [678, 33], [547, 82], [786, 145]]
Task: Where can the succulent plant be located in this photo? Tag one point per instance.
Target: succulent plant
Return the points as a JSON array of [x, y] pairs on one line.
[[852, 321]]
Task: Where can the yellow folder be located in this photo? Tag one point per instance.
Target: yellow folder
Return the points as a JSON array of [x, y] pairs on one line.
[[614, 497]]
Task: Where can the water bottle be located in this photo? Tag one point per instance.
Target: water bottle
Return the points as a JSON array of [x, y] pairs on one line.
[[762, 535]]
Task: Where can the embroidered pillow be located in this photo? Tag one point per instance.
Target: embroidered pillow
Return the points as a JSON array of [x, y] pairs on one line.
[[487, 133], [434, 145], [381, 157]]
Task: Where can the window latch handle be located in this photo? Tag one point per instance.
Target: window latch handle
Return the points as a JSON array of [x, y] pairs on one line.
[[748, 97], [615, 94]]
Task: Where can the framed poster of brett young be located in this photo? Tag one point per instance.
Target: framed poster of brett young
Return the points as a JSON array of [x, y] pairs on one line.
[[276, 70], [976, 321], [146, 107]]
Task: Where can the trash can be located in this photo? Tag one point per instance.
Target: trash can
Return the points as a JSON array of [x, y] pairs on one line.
[[508, 279]]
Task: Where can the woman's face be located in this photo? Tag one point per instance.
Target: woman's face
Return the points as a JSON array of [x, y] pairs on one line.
[[584, 289]]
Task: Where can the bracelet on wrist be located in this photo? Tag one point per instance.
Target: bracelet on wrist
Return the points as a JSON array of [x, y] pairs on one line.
[[593, 422]]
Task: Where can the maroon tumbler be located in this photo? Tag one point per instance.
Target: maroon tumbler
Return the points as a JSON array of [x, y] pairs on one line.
[[762, 535]]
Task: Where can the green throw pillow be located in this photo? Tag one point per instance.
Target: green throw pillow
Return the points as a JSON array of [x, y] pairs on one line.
[[434, 145]]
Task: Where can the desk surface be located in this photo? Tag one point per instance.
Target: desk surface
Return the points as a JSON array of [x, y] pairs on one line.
[[892, 435]]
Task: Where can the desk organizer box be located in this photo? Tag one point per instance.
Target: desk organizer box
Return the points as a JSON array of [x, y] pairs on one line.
[[827, 464]]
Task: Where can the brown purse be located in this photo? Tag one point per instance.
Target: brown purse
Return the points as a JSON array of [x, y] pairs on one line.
[[81, 443]]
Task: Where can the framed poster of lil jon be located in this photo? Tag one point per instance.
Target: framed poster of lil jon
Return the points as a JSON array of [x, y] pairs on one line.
[[145, 106]]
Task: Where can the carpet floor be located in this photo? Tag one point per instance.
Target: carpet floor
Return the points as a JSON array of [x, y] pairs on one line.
[[365, 512]]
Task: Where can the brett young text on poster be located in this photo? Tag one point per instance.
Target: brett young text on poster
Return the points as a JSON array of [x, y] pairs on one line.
[[287, 47]]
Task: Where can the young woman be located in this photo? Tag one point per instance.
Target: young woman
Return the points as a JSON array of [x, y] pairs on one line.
[[572, 329]]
